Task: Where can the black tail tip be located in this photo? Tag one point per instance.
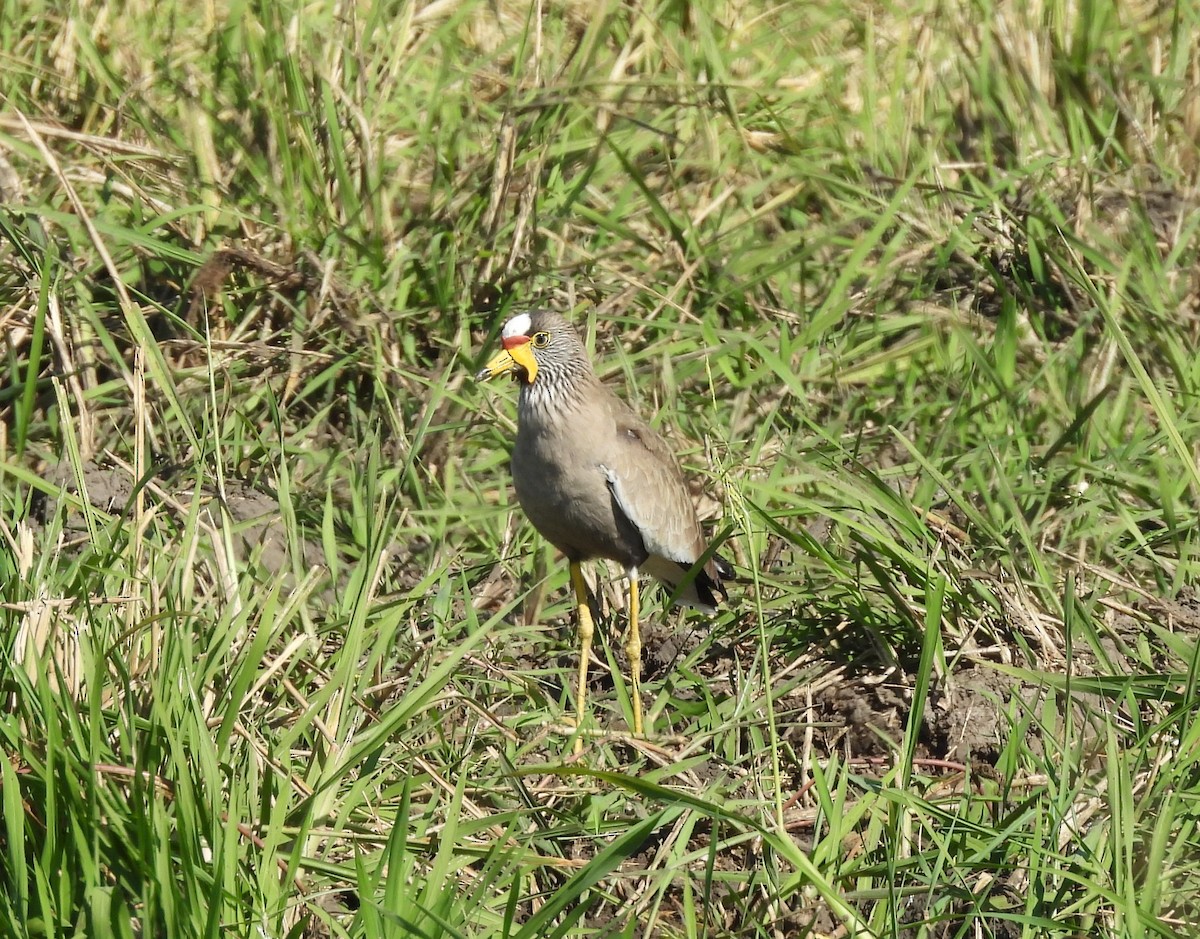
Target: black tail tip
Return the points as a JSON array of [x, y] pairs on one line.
[[711, 590], [725, 570]]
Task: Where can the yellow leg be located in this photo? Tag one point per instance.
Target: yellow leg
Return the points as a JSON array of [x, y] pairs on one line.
[[587, 628], [633, 649]]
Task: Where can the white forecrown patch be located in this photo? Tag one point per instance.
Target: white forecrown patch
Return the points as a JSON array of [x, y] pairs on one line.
[[519, 325]]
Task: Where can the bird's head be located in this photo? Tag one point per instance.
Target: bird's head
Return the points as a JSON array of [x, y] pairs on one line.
[[538, 343]]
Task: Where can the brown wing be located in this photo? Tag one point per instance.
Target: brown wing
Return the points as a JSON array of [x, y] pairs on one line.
[[650, 490]]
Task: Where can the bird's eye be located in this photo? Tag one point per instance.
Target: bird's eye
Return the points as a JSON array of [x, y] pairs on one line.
[[541, 340]]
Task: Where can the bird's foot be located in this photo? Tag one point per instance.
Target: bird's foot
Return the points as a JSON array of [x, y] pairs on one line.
[[568, 728]]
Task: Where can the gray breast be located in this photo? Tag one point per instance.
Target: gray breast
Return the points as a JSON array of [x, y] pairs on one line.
[[558, 474]]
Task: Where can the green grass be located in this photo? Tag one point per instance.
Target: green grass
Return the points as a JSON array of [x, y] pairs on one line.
[[911, 287]]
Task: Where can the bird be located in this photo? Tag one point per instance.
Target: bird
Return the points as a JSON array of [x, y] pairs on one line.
[[598, 482]]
